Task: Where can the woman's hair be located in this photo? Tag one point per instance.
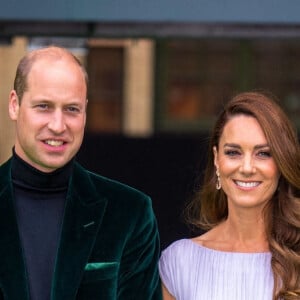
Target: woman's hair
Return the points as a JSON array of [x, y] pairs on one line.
[[282, 213]]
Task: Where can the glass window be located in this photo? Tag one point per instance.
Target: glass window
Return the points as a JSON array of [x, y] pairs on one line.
[[194, 78], [105, 69]]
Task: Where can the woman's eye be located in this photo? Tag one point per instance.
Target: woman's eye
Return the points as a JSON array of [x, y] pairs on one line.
[[231, 152], [264, 154]]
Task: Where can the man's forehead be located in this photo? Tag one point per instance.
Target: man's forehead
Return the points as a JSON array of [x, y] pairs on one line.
[[50, 52]]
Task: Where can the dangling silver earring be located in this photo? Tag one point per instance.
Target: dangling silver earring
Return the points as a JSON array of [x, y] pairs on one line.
[[218, 184]]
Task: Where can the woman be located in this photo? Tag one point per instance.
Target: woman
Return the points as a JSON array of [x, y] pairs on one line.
[[250, 205]]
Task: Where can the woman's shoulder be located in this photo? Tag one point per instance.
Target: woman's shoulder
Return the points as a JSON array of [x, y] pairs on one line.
[[179, 255], [177, 262], [178, 245], [182, 249]]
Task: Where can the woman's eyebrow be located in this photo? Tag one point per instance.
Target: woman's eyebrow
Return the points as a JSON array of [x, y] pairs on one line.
[[233, 145]]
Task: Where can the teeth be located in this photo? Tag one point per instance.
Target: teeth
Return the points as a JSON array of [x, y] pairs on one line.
[[247, 184], [54, 143]]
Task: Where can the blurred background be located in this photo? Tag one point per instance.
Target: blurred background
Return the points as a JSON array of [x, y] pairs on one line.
[[160, 71]]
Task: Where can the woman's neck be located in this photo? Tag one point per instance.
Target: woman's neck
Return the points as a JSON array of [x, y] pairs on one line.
[[237, 235]]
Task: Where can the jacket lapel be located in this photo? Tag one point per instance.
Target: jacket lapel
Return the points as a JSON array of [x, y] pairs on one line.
[[12, 268], [82, 219]]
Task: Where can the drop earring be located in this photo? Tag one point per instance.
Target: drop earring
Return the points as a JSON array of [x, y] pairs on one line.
[[218, 184]]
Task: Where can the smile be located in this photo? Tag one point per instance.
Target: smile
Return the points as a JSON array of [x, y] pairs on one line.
[[54, 143], [244, 184]]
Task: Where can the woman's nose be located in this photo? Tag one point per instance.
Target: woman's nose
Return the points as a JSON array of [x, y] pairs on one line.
[[247, 165]]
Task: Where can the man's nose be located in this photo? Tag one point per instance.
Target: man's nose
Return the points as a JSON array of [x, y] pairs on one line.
[[57, 122]]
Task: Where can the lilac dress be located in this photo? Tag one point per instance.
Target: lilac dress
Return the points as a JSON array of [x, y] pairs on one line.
[[193, 272]]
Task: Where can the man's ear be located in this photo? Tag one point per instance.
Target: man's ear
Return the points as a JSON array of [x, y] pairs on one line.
[[86, 104], [215, 150], [13, 106]]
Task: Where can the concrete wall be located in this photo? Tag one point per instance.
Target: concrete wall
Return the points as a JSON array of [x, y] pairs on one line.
[[9, 58]]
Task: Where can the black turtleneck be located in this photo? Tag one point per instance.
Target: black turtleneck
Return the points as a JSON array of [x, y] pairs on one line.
[[39, 201]]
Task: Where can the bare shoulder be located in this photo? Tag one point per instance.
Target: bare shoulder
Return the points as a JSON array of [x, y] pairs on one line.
[[212, 239], [204, 238]]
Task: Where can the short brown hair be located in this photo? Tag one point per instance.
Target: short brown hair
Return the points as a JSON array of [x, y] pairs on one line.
[[26, 63]]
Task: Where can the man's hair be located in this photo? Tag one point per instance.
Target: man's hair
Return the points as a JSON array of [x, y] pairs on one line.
[[26, 63]]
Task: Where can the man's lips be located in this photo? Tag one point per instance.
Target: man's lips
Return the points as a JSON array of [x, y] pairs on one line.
[[54, 143]]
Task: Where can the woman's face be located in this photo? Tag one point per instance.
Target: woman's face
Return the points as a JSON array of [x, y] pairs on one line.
[[248, 173]]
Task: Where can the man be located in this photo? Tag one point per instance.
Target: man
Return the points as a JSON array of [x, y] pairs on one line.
[[67, 233]]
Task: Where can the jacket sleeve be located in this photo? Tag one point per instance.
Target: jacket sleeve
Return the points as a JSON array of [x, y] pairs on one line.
[[139, 277]]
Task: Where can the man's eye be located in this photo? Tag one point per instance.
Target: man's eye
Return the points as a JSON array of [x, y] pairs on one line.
[[42, 106], [73, 109]]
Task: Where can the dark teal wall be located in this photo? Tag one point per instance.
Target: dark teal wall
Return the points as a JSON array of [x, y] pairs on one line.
[[245, 11]]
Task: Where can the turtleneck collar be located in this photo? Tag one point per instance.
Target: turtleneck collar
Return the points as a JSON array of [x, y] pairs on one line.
[[26, 176]]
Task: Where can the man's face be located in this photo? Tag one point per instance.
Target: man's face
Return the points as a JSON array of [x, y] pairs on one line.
[[50, 118]]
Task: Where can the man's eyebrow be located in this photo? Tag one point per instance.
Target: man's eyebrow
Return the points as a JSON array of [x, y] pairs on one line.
[[41, 100]]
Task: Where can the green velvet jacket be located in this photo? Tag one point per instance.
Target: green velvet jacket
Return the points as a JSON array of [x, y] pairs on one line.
[[108, 247]]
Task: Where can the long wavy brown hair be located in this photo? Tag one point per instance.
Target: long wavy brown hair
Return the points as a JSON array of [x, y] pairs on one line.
[[282, 214]]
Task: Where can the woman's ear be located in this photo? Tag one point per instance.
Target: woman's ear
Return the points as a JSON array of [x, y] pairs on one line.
[[215, 150], [13, 106]]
